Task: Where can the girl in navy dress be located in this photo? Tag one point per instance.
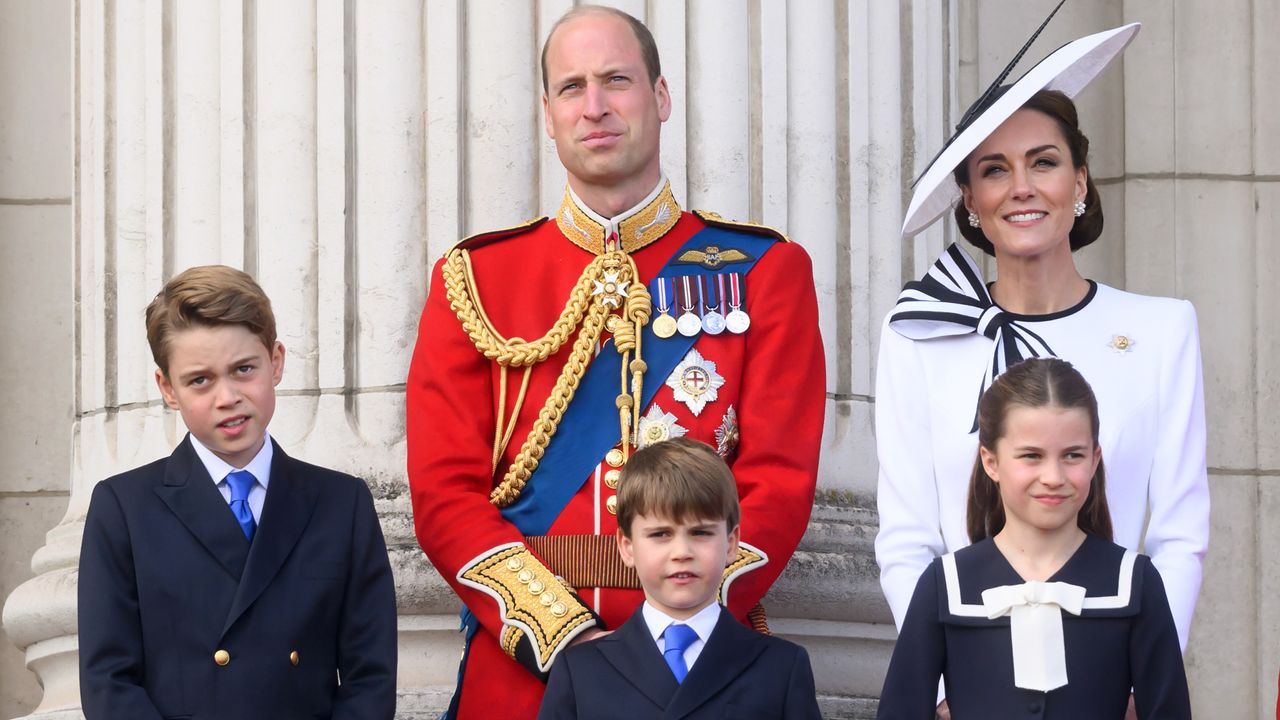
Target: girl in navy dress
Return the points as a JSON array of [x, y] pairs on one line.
[[1042, 616]]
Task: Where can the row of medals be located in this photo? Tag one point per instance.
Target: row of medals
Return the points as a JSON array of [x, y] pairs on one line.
[[700, 299]]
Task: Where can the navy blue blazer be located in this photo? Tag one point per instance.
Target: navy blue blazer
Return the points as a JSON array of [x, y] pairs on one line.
[[181, 617], [739, 674], [1124, 638]]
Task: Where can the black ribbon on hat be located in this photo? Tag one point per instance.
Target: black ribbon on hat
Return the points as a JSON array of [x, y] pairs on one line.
[[990, 95], [950, 300]]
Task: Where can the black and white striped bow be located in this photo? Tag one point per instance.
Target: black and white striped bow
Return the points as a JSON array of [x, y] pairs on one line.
[[951, 299]]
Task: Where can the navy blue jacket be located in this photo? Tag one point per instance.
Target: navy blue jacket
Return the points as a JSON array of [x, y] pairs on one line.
[[1126, 640], [169, 587], [739, 674]]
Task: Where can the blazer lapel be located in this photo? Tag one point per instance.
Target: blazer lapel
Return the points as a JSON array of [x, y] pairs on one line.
[[729, 650], [285, 514], [192, 495], [632, 651]]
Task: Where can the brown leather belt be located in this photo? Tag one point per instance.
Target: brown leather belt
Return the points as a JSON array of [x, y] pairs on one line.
[[584, 561]]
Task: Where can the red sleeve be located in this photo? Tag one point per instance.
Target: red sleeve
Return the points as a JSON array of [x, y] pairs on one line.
[[780, 418]]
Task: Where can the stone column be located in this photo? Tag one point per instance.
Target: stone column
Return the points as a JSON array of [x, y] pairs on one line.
[[336, 150]]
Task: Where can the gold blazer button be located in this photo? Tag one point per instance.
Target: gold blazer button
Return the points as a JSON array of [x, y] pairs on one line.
[[293, 658], [222, 658]]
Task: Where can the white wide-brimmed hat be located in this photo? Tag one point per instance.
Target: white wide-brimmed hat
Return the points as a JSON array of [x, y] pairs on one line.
[[1069, 69]]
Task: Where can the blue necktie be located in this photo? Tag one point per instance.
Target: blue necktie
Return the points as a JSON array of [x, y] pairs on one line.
[[240, 481], [678, 639]]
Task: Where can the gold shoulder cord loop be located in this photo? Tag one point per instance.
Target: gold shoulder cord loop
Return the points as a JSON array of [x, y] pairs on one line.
[[606, 275]]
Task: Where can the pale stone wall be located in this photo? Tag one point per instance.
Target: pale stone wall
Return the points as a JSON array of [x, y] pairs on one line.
[[336, 150]]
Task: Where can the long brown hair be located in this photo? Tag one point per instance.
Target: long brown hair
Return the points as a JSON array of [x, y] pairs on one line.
[[1035, 383]]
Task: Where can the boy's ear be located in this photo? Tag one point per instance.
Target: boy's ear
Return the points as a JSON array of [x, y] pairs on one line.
[[624, 549], [989, 463], [277, 362], [735, 535], [166, 390]]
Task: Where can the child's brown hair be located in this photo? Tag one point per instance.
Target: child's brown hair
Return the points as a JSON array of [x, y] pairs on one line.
[[207, 296], [679, 479], [1035, 383]]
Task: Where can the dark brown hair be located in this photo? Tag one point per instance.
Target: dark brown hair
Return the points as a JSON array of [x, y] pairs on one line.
[[648, 48], [1061, 110], [1035, 383], [679, 479], [207, 296]]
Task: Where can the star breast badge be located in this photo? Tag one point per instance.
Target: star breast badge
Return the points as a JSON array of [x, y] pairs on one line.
[[695, 382], [657, 426], [727, 434]]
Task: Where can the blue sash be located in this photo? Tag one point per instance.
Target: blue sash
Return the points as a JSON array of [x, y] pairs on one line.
[[583, 436]]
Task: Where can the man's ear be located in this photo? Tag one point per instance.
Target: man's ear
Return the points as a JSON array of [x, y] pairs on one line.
[[277, 362], [166, 390], [624, 549], [663, 94]]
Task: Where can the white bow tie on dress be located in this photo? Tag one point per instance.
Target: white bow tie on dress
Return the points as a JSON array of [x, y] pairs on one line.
[[1035, 623]]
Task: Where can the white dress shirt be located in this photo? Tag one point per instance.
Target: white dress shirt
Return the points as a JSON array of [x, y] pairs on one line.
[[702, 624], [259, 467]]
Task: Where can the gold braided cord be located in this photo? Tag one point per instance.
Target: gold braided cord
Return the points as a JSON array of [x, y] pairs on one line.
[[587, 307], [459, 279], [526, 461]]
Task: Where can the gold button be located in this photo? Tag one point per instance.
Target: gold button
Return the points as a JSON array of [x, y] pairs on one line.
[[559, 609], [536, 587], [611, 478], [222, 657], [525, 576], [547, 598], [293, 658], [515, 563], [611, 504], [614, 458]]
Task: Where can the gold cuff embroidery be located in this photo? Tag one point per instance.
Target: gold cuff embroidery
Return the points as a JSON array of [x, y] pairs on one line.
[[749, 558], [534, 603]]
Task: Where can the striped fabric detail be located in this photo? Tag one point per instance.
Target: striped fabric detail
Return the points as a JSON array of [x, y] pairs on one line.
[[584, 561], [951, 299]]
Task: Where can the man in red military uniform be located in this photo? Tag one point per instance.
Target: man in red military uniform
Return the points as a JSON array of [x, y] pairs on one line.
[[548, 352]]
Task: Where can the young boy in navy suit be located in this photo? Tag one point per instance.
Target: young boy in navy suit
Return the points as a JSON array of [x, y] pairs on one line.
[[229, 580], [680, 655]]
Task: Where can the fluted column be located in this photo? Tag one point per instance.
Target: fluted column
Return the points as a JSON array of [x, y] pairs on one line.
[[336, 149]]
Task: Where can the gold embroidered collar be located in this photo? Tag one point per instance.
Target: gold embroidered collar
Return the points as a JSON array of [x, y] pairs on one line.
[[637, 227]]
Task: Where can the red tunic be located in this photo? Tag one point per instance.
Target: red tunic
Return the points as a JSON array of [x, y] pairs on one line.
[[773, 379]]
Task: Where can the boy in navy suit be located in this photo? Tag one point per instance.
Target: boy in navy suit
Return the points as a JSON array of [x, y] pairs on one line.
[[680, 655], [229, 580]]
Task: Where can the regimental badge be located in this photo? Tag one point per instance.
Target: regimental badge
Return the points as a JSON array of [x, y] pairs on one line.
[[712, 257], [656, 426], [611, 289], [1122, 343], [727, 434], [695, 382]]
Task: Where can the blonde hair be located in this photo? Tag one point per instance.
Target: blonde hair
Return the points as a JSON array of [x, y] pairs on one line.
[[679, 479], [207, 296]]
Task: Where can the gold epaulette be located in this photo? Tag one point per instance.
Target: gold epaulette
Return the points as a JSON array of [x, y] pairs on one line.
[[749, 558], [714, 220], [472, 242]]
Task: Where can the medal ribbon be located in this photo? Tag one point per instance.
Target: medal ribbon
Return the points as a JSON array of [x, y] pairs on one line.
[[735, 288], [686, 303], [581, 439], [714, 295], [660, 289]]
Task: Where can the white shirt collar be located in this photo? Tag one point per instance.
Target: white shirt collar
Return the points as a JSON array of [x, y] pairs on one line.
[[611, 225], [702, 623], [259, 466]]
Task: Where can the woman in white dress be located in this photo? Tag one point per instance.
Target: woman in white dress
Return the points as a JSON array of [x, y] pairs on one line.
[[1019, 167]]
